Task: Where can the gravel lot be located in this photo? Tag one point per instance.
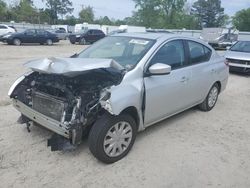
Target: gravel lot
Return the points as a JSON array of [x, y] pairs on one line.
[[192, 149]]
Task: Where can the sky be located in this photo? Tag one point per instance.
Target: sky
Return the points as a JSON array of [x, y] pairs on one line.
[[120, 9]]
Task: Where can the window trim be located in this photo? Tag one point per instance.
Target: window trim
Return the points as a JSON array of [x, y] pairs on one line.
[[189, 55]]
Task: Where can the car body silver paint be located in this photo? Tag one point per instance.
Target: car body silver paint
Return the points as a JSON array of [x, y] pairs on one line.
[[242, 56], [129, 93], [237, 55]]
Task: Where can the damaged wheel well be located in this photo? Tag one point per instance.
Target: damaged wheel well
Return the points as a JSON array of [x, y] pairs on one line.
[[132, 111]]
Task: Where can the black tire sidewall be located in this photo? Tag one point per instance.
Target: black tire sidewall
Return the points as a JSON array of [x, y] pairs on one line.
[[208, 107], [82, 41], [51, 42], [99, 131], [15, 42]]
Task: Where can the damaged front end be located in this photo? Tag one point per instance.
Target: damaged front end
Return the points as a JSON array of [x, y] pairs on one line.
[[65, 100]]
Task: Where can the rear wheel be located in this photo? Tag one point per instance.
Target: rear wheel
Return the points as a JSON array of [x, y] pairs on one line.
[[211, 98], [49, 42], [17, 42], [112, 137]]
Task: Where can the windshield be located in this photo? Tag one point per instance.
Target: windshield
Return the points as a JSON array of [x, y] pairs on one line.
[[127, 51], [241, 46]]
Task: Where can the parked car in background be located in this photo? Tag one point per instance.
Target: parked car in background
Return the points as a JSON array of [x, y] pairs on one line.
[[238, 57], [219, 38], [117, 31], [159, 31], [89, 36], [11, 26], [61, 34], [116, 87], [39, 36], [5, 29]]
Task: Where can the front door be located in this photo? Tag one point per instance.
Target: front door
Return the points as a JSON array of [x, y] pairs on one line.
[[30, 36], [166, 94]]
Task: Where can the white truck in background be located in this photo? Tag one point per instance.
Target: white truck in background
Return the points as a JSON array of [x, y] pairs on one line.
[[219, 38], [5, 29], [107, 29]]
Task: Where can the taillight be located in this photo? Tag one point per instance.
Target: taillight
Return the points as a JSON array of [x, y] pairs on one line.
[[226, 62]]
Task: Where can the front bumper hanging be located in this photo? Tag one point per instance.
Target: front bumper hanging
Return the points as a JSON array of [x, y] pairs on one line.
[[42, 120]]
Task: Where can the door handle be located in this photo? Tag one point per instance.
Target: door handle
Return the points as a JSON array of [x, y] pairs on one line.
[[184, 79], [213, 71]]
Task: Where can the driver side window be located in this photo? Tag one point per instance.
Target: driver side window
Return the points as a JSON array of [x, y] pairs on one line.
[[30, 32], [172, 53]]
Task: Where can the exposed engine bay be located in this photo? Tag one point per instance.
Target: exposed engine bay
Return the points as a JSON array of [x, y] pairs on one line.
[[73, 101]]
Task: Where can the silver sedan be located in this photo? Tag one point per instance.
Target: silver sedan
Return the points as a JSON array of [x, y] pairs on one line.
[[118, 86], [238, 57]]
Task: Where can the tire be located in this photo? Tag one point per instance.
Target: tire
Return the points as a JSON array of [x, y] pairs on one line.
[[49, 42], [99, 134], [211, 99], [82, 41], [17, 42]]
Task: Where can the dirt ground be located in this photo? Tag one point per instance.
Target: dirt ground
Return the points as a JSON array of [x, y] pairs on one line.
[[192, 149]]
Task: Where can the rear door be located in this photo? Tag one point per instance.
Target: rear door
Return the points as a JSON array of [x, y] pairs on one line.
[[89, 37], [203, 70], [41, 36], [167, 94], [99, 34]]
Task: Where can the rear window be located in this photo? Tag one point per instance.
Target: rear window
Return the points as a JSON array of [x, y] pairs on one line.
[[3, 27], [97, 32], [198, 52], [41, 32]]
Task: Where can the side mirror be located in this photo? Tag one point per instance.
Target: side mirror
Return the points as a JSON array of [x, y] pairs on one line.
[[159, 69]]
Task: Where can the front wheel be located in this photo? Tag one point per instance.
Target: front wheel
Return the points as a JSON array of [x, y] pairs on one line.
[[49, 42], [211, 98], [112, 137], [17, 42]]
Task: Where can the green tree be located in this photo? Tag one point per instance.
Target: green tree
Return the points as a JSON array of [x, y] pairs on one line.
[[159, 13], [241, 20], [25, 11], [44, 16], [58, 7], [87, 14], [209, 12], [172, 9], [3, 10], [148, 13], [104, 21]]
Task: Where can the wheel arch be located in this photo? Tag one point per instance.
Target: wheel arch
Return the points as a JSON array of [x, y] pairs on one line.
[[219, 84], [132, 111], [16, 38]]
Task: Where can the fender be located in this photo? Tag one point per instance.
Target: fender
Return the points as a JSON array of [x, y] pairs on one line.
[[124, 96]]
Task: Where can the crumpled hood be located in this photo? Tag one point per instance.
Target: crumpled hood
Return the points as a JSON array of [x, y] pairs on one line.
[[70, 66]]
